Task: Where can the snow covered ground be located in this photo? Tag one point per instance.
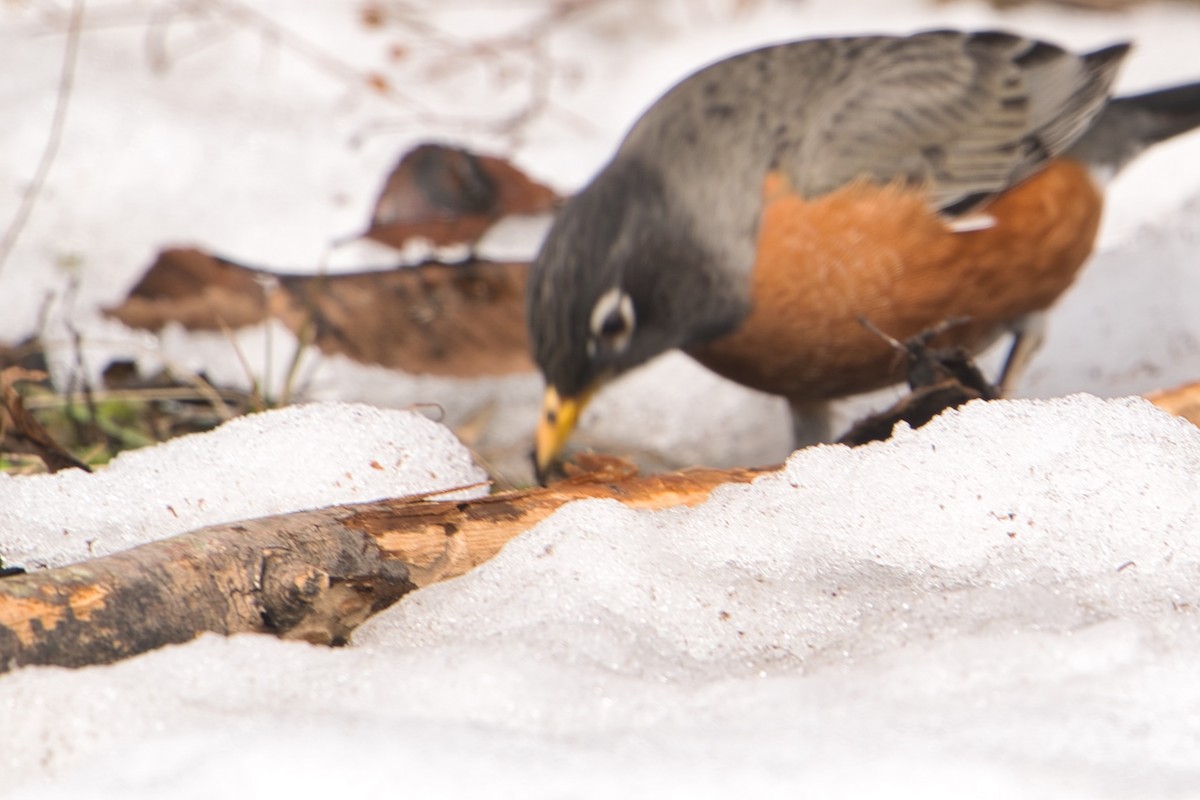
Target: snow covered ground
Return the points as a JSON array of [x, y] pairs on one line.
[[1003, 603]]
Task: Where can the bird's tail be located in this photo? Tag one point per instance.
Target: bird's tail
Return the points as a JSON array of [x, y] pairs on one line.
[[1129, 125]]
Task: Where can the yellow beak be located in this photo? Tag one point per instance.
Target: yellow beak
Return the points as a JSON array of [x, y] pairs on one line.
[[558, 419]]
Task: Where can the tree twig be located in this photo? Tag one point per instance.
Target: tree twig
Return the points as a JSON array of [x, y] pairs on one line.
[[66, 82]]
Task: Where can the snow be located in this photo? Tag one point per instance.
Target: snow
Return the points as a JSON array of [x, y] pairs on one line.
[[1000, 604], [295, 458]]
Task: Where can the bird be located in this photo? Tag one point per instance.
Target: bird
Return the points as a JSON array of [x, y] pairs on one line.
[[766, 205]]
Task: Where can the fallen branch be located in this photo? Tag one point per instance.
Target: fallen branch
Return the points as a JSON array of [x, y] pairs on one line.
[[1182, 401], [312, 575]]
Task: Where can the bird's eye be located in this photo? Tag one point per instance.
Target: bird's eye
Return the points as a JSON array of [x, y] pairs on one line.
[[614, 325], [612, 322]]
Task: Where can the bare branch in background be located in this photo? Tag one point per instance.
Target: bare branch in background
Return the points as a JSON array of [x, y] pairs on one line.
[[243, 16], [523, 54], [53, 138]]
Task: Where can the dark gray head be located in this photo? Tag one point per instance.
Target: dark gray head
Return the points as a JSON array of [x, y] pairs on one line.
[[620, 279]]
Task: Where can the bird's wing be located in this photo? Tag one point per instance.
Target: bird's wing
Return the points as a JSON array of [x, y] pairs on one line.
[[966, 114]]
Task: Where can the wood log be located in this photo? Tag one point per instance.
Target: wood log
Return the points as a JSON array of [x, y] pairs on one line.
[[311, 575], [1182, 401]]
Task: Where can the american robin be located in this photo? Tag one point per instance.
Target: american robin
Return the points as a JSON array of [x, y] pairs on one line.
[[765, 205]]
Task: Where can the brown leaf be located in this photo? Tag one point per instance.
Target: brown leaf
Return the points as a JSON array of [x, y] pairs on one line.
[[916, 408], [195, 289], [19, 424], [449, 196], [461, 320], [940, 378]]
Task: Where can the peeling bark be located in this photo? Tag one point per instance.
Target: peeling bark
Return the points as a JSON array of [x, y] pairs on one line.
[[312, 575], [1182, 401]]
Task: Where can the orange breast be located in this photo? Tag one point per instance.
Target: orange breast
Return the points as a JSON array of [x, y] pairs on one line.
[[880, 252]]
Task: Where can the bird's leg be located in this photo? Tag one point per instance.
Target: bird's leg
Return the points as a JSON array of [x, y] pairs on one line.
[[812, 423], [1028, 334]]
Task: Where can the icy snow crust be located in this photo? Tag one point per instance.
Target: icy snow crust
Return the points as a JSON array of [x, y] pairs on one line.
[[1002, 602], [291, 459]]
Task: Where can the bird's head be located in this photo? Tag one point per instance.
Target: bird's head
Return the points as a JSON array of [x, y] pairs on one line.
[[621, 277]]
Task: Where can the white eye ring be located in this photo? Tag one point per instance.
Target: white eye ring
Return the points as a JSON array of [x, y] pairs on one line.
[[612, 322]]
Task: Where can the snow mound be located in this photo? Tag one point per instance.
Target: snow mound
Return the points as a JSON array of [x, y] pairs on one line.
[[289, 459], [999, 604], [983, 518]]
